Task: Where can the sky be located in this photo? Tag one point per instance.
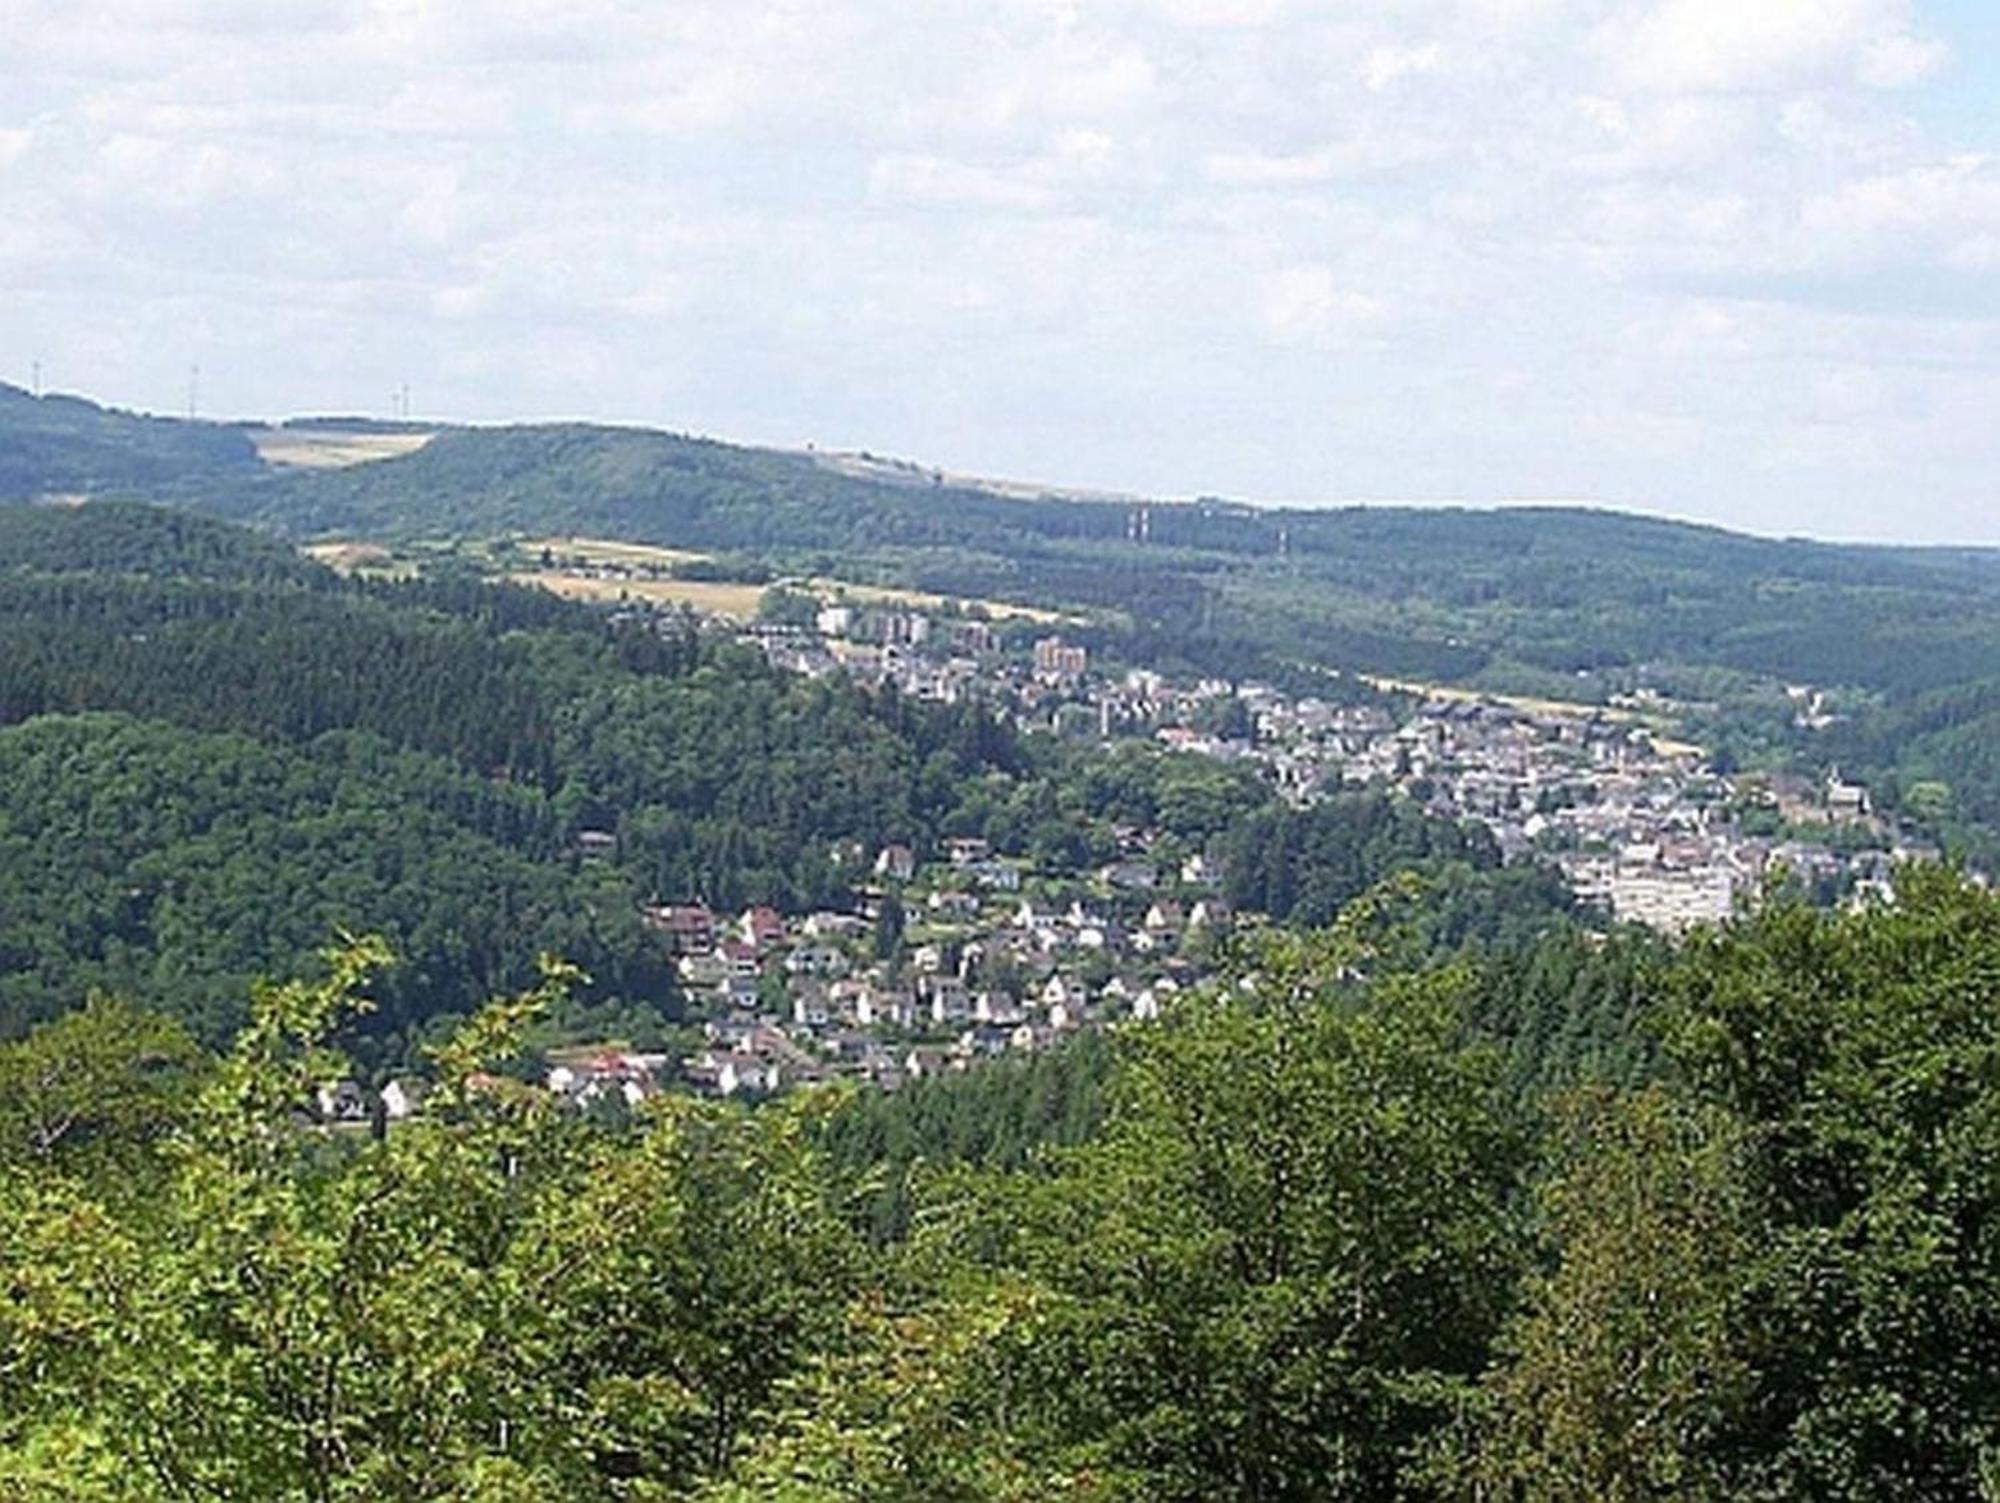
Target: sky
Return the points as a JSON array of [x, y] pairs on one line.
[[1731, 260]]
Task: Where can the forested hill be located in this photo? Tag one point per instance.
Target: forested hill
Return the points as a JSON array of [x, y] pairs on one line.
[[1509, 597], [648, 486], [125, 538], [289, 757], [214, 757], [1450, 593], [66, 446], [1564, 603]]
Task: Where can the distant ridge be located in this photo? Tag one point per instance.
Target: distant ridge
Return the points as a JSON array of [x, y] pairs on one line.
[[1522, 598], [69, 446]]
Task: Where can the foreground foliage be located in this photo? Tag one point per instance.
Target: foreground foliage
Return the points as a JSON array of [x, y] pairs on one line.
[[1303, 1244]]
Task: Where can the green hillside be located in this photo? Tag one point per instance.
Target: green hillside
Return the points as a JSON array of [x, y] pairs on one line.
[[1442, 1201], [1453, 593], [1559, 602], [174, 867], [214, 756], [66, 446]]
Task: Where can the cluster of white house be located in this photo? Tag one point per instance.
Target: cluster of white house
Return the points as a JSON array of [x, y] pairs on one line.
[[794, 1000]]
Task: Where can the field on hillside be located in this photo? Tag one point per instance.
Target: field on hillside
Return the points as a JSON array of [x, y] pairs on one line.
[[1531, 704], [331, 448], [371, 559], [646, 564], [1000, 610], [721, 599], [607, 553]]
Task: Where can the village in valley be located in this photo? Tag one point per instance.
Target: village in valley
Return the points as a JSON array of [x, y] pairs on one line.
[[963, 954]]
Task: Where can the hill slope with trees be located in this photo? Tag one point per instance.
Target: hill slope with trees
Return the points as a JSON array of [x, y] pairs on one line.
[[63, 446], [214, 755], [1903, 643]]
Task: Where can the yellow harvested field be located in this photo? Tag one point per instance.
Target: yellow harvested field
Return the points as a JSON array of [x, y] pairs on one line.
[[605, 551], [332, 448], [737, 600], [346, 555], [1527, 703], [610, 554]]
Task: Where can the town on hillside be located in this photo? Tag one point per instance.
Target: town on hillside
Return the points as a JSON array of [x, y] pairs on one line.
[[1635, 821], [962, 954]]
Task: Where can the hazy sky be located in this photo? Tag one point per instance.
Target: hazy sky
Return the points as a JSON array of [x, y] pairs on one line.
[[1728, 259]]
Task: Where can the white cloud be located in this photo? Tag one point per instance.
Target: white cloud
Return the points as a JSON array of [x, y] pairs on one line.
[[1641, 250], [1308, 302], [1256, 169], [1362, 157], [1222, 13], [1104, 85], [921, 179], [1768, 44], [1951, 208], [1664, 134], [154, 171], [1386, 65], [1850, 137], [1898, 59]]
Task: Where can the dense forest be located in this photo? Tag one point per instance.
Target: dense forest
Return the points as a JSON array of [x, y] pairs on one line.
[[1306, 1237], [214, 755]]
